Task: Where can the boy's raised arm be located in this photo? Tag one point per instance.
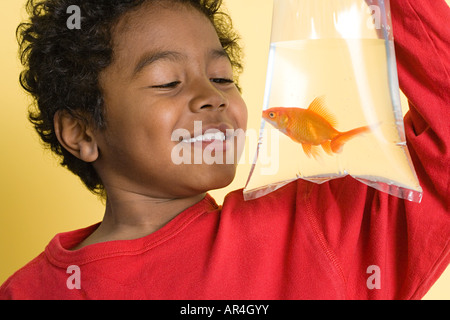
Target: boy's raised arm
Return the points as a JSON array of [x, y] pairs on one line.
[[369, 235], [422, 43]]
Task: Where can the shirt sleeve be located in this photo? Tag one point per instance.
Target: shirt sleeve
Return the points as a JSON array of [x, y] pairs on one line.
[[384, 247], [422, 46]]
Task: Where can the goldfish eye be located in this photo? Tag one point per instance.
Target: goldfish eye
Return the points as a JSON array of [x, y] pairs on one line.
[[272, 114]]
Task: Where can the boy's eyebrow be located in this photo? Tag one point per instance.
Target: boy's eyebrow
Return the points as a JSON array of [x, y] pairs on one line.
[[219, 53], [151, 57]]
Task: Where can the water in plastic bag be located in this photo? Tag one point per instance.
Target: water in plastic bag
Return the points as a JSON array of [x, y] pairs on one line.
[[332, 102]]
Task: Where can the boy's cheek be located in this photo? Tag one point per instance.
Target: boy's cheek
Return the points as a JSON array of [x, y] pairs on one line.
[[242, 116]]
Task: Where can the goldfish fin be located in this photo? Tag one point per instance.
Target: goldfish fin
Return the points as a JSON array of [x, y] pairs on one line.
[[318, 106], [338, 142], [315, 150], [327, 147], [307, 149], [311, 151]]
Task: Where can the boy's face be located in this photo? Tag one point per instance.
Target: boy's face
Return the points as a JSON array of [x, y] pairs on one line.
[[169, 70]]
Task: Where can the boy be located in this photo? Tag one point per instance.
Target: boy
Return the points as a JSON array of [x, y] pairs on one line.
[[110, 98]]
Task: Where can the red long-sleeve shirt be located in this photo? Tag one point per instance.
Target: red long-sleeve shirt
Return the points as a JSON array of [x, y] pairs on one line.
[[338, 240]]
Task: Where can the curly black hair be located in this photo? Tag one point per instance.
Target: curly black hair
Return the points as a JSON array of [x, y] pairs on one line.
[[62, 65]]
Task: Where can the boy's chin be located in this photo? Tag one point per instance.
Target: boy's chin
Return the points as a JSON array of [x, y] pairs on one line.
[[216, 177], [223, 182]]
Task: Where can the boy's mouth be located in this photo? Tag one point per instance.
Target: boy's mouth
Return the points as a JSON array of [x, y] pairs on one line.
[[207, 137], [210, 144], [215, 136]]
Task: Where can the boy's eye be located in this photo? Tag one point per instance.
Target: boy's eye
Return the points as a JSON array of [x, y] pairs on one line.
[[222, 80], [167, 85], [174, 84]]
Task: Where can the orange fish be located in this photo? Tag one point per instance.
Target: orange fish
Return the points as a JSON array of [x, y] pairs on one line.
[[311, 127]]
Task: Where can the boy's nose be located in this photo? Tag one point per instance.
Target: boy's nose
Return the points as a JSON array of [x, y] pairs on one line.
[[207, 97]]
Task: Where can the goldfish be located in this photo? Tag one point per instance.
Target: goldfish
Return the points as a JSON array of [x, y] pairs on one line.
[[312, 127]]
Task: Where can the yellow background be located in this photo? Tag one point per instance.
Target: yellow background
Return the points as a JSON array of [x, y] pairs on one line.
[[39, 199]]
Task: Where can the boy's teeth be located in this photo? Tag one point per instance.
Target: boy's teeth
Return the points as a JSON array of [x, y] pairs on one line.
[[207, 137]]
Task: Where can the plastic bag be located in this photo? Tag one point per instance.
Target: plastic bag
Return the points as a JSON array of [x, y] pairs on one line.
[[332, 101]]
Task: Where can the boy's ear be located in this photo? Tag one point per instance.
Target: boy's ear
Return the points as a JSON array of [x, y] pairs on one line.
[[75, 136]]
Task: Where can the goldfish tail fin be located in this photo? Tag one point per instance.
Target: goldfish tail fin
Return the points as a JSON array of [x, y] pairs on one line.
[[327, 147], [338, 142]]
